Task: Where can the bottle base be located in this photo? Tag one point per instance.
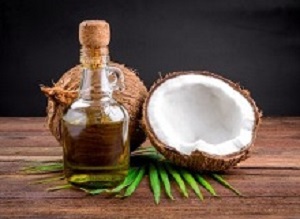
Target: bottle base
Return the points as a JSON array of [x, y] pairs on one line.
[[96, 180], [95, 177]]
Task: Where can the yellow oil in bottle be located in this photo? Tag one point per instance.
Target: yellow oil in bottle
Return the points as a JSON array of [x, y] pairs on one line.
[[95, 155]]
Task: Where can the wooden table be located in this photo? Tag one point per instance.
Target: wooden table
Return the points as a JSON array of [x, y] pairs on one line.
[[270, 180]]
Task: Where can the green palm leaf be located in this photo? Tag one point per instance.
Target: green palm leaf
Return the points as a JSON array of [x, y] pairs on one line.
[[132, 173], [131, 189], [165, 179], [178, 179], [154, 182], [223, 182], [205, 184], [55, 188], [192, 182]]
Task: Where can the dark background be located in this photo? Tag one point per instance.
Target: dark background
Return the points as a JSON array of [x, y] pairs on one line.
[[256, 43]]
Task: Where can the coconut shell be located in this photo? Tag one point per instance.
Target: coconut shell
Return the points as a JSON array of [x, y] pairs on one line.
[[200, 161], [65, 91]]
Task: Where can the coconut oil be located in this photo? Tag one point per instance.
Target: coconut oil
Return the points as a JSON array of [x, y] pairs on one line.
[[96, 154], [95, 127]]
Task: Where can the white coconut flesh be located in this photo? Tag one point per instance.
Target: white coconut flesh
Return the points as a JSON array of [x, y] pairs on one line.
[[197, 112]]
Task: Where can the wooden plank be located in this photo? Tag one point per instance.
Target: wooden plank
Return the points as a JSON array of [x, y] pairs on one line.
[[254, 162], [141, 207], [284, 160], [18, 124], [24, 133], [14, 167], [264, 196], [250, 185], [31, 151], [39, 141], [30, 158]]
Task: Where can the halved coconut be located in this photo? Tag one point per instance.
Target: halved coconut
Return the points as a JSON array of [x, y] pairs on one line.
[[200, 120]]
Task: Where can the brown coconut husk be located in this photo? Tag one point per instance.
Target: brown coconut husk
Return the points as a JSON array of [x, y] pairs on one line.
[[65, 91], [200, 161]]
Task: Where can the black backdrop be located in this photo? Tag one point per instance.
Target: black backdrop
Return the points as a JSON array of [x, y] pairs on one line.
[[256, 43]]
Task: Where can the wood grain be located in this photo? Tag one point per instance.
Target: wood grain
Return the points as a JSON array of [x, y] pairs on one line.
[[269, 180]]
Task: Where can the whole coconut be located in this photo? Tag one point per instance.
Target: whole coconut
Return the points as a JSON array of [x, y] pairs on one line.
[[65, 91]]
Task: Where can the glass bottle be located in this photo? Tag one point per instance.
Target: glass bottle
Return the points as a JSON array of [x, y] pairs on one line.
[[95, 127]]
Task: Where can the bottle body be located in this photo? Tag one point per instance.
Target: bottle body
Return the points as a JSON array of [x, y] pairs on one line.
[[95, 132]]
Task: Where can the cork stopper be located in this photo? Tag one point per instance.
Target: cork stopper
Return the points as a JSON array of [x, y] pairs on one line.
[[94, 33]]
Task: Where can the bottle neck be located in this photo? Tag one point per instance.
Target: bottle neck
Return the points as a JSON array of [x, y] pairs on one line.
[[95, 84], [94, 58]]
